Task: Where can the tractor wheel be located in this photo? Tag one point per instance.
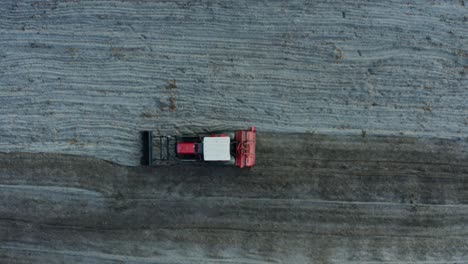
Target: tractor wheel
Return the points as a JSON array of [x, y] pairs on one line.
[[230, 162], [231, 134]]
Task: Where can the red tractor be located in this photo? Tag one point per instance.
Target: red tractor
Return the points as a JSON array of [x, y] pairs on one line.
[[223, 148]]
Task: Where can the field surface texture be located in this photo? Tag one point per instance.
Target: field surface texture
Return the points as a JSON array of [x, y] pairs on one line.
[[361, 108]]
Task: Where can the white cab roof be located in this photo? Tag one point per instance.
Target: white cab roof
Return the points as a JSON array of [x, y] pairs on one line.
[[216, 148]]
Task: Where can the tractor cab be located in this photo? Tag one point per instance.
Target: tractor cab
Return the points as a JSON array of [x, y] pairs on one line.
[[216, 148]]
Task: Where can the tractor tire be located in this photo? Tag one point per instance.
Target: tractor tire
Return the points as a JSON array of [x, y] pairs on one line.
[[231, 134], [231, 162]]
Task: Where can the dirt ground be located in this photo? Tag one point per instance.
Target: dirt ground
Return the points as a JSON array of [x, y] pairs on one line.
[[361, 108], [83, 77], [342, 199]]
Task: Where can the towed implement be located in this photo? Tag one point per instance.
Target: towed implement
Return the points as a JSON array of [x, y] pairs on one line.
[[230, 148]]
